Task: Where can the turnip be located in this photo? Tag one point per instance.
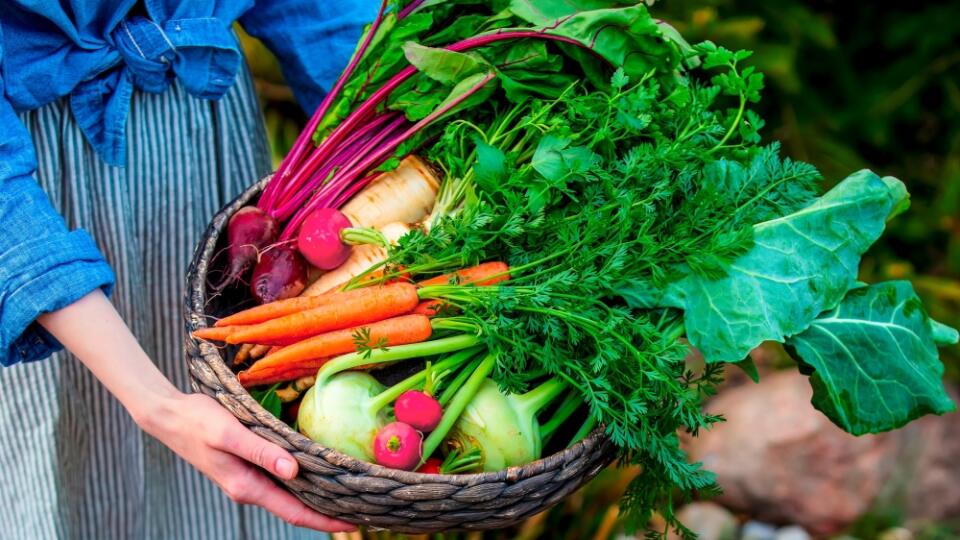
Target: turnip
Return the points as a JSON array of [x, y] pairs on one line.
[[398, 446], [280, 273], [419, 409], [345, 410], [249, 232]]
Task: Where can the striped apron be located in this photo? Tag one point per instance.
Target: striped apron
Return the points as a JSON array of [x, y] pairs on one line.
[[74, 465]]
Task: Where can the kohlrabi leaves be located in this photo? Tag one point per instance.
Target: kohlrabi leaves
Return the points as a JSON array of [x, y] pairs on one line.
[[873, 359], [800, 265]]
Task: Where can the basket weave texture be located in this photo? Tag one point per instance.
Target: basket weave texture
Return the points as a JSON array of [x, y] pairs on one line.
[[365, 493]]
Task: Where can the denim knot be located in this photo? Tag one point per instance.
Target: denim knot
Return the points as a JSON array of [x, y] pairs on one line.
[[201, 53], [147, 50]]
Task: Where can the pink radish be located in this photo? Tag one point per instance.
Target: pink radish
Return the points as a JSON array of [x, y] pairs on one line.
[[280, 273], [319, 238], [418, 409], [398, 446], [249, 231]]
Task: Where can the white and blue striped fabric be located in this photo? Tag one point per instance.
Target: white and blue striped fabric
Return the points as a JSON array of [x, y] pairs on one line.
[[74, 465]]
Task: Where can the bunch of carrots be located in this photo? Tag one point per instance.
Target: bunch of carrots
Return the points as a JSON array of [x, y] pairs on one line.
[[305, 332]]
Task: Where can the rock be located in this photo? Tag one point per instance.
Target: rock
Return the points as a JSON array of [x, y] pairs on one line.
[[781, 461], [709, 520], [755, 530], [792, 532]]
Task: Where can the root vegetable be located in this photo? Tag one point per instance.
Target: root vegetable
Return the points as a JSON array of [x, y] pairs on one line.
[[249, 231], [418, 409], [280, 273], [378, 304], [398, 446]]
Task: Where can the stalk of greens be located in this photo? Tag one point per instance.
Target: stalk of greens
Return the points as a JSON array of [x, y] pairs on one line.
[[619, 171]]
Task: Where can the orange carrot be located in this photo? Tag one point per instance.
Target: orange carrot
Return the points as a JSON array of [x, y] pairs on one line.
[[279, 308], [396, 331], [375, 304], [271, 376], [259, 351], [273, 349], [216, 334], [488, 273], [243, 354]]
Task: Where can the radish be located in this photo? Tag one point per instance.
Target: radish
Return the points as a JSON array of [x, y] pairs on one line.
[[319, 238], [431, 466], [280, 273], [361, 259], [418, 409], [398, 446], [249, 231]]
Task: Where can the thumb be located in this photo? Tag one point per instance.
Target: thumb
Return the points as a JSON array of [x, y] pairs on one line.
[[245, 444]]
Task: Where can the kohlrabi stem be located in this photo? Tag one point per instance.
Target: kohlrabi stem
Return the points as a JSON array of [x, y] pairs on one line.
[[457, 406], [390, 395], [392, 354], [567, 408], [584, 430], [540, 397], [457, 382], [356, 236]]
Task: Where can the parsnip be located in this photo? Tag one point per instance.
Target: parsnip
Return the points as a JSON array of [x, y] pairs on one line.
[[405, 195]]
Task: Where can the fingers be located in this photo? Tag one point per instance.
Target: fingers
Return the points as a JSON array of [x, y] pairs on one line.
[[246, 444], [246, 485]]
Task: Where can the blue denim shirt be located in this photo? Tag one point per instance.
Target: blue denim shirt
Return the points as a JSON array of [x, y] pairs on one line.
[[97, 52]]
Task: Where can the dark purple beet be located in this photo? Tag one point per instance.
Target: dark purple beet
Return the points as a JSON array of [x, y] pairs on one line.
[[249, 231], [280, 273]]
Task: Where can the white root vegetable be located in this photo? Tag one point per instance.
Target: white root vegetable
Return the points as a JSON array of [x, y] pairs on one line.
[[361, 259], [405, 195]]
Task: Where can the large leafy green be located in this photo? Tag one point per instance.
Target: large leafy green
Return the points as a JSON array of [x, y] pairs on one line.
[[799, 266], [626, 37], [874, 359]]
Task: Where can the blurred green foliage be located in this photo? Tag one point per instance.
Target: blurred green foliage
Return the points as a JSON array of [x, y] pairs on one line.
[[849, 85]]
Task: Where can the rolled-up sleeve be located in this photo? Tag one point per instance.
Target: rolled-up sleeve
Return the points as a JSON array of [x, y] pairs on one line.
[[312, 40], [43, 265]]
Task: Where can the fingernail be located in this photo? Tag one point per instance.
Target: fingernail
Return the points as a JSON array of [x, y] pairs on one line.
[[284, 467]]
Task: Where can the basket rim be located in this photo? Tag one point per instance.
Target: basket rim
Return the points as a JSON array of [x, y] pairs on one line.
[[197, 298]]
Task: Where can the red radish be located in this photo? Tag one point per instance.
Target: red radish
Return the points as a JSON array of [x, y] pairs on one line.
[[418, 409], [398, 446], [432, 466], [249, 231], [319, 238], [280, 273]]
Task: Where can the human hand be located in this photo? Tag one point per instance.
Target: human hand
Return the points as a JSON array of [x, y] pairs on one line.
[[203, 433]]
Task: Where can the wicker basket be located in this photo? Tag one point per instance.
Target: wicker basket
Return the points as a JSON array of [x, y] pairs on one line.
[[364, 493]]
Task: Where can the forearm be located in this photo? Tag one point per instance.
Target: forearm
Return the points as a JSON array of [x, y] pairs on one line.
[[94, 332]]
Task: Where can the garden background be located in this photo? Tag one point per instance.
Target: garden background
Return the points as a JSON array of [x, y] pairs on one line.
[[849, 86]]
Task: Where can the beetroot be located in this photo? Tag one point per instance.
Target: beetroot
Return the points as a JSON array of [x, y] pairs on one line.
[[398, 446], [418, 409], [249, 231], [319, 238], [280, 273]]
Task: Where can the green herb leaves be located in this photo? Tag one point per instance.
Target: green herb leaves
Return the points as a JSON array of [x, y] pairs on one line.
[[800, 265], [874, 359]]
